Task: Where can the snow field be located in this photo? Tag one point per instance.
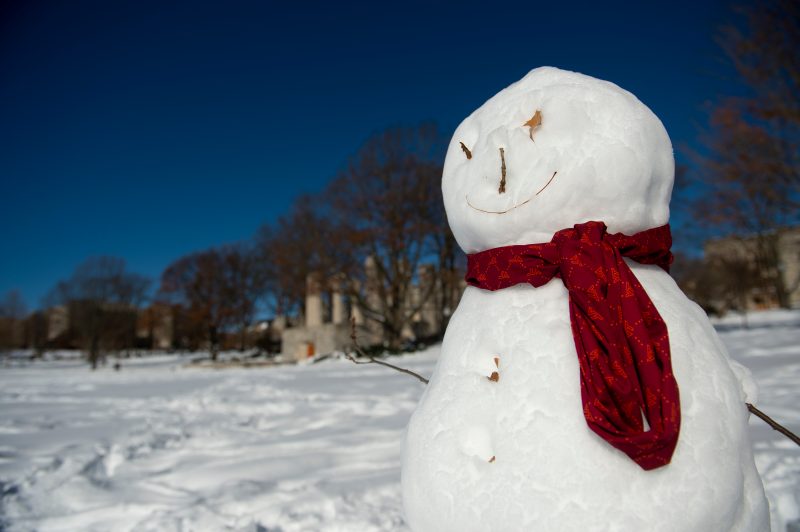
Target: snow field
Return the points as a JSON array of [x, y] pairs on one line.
[[159, 446], [770, 348]]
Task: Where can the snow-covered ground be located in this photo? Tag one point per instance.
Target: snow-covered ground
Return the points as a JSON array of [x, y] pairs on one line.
[[159, 446]]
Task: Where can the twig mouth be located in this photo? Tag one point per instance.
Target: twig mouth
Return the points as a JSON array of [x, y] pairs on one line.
[[466, 196]]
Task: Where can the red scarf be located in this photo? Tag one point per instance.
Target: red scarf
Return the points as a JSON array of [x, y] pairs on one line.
[[621, 340]]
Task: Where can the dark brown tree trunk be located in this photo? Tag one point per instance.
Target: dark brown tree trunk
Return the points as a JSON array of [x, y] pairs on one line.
[[213, 342], [94, 352]]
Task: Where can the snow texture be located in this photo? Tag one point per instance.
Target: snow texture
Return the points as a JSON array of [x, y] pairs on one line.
[[158, 446], [517, 454]]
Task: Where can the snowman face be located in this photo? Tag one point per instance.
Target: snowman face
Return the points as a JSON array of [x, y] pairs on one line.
[[556, 149]]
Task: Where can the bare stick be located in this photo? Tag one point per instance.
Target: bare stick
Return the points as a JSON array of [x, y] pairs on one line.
[[774, 424], [373, 360], [502, 171]]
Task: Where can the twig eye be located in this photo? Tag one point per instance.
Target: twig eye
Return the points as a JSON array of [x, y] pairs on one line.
[[466, 150]]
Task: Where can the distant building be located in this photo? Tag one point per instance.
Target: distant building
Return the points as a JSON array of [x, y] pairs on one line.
[[744, 251], [317, 335], [328, 313], [789, 249], [57, 322], [155, 327]]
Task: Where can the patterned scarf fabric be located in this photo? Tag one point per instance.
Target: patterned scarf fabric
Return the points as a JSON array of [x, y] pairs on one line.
[[620, 338]]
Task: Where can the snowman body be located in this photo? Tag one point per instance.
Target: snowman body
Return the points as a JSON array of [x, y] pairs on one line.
[[514, 452]]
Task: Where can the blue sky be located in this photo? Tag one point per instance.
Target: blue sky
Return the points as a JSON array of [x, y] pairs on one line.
[[147, 130]]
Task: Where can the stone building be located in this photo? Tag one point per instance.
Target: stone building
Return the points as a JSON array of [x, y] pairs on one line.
[[318, 334], [742, 250], [328, 312], [57, 321]]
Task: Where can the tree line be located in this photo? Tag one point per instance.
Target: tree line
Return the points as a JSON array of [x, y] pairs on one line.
[[369, 231], [745, 180]]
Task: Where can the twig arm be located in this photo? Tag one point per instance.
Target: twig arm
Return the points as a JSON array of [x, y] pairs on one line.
[[373, 360], [774, 424]]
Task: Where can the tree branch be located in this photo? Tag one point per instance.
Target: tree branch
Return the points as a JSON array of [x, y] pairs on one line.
[[774, 424], [372, 360]]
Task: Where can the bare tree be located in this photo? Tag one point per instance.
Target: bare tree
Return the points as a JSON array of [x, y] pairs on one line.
[[242, 287], [102, 299], [388, 204], [198, 282], [751, 172], [368, 234], [35, 332], [12, 314], [747, 191], [13, 305], [304, 241], [763, 49]]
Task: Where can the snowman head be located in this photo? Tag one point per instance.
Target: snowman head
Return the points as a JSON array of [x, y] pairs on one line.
[[555, 149]]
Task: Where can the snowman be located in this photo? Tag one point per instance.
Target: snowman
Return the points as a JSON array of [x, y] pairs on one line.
[[577, 389]]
